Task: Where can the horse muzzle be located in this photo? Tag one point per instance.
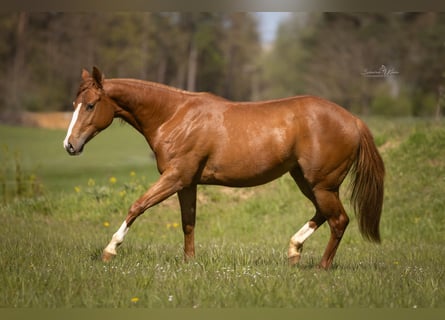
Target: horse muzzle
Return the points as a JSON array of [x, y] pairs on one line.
[[72, 149]]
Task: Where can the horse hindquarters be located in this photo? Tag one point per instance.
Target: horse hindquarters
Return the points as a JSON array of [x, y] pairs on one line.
[[325, 156], [323, 191]]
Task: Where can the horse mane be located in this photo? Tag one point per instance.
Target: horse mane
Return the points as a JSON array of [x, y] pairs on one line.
[[91, 83], [164, 87], [144, 83]]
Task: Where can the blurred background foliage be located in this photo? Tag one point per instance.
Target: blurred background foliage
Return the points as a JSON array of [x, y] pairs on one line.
[[331, 55]]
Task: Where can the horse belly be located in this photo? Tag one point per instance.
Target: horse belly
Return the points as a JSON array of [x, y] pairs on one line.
[[244, 165], [241, 177]]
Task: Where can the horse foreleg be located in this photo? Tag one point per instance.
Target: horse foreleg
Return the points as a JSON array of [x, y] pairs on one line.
[[110, 251], [168, 184], [187, 201]]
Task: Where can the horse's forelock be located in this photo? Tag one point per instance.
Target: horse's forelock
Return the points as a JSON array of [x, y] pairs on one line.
[[87, 84]]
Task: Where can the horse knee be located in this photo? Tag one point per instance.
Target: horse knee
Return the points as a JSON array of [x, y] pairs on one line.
[[134, 211]]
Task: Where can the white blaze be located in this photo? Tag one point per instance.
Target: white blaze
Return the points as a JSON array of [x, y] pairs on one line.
[[72, 124]]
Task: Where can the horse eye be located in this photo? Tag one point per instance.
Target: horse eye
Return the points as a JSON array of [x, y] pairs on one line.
[[90, 106]]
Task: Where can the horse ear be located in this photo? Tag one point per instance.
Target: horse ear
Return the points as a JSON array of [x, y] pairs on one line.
[[85, 74], [98, 77]]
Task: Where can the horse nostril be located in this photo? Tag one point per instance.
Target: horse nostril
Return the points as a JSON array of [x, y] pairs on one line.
[[69, 147], [72, 150]]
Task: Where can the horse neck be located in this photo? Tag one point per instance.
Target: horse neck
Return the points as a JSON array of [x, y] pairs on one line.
[[145, 105]]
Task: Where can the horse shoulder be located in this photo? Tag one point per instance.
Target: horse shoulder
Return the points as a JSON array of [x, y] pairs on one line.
[[188, 135]]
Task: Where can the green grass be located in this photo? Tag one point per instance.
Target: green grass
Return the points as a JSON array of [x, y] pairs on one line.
[[52, 238], [114, 152]]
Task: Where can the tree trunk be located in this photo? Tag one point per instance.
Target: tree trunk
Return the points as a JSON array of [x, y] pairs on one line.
[[192, 66], [162, 70], [18, 61], [440, 93]]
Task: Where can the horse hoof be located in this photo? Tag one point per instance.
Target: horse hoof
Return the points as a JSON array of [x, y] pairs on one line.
[[294, 260], [107, 256]]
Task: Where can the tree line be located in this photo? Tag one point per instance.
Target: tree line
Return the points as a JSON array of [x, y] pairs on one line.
[[388, 64], [44, 53]]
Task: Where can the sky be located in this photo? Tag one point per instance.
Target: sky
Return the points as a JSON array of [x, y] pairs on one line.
[[268, 24]]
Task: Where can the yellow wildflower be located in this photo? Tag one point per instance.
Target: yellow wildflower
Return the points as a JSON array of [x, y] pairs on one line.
[[106, 224], [122, 193], [172, 225], [77, 189], [91, 182], [132, 174], [134, 299], [113, 180]]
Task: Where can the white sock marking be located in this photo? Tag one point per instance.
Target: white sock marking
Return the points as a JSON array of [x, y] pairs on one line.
[[302, 234], [117, 238], [72, 123], [121, 233]]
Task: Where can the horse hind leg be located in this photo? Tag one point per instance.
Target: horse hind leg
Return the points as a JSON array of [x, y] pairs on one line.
[[296, 242], [330, 206]]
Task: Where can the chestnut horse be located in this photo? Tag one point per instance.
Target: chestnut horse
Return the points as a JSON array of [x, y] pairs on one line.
[[199, 138]]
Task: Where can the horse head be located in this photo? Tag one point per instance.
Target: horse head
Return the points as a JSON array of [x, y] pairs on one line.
[[93, 112]]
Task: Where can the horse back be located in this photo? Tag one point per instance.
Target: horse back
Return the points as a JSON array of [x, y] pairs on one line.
[[253, 143]]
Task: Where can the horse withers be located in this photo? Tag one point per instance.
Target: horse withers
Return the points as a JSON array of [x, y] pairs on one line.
[[200, 138]]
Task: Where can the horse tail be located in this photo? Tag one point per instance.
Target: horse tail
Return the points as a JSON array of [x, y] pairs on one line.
[[367, 186]]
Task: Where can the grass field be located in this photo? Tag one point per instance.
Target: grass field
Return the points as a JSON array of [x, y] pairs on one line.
[[58, 212]]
